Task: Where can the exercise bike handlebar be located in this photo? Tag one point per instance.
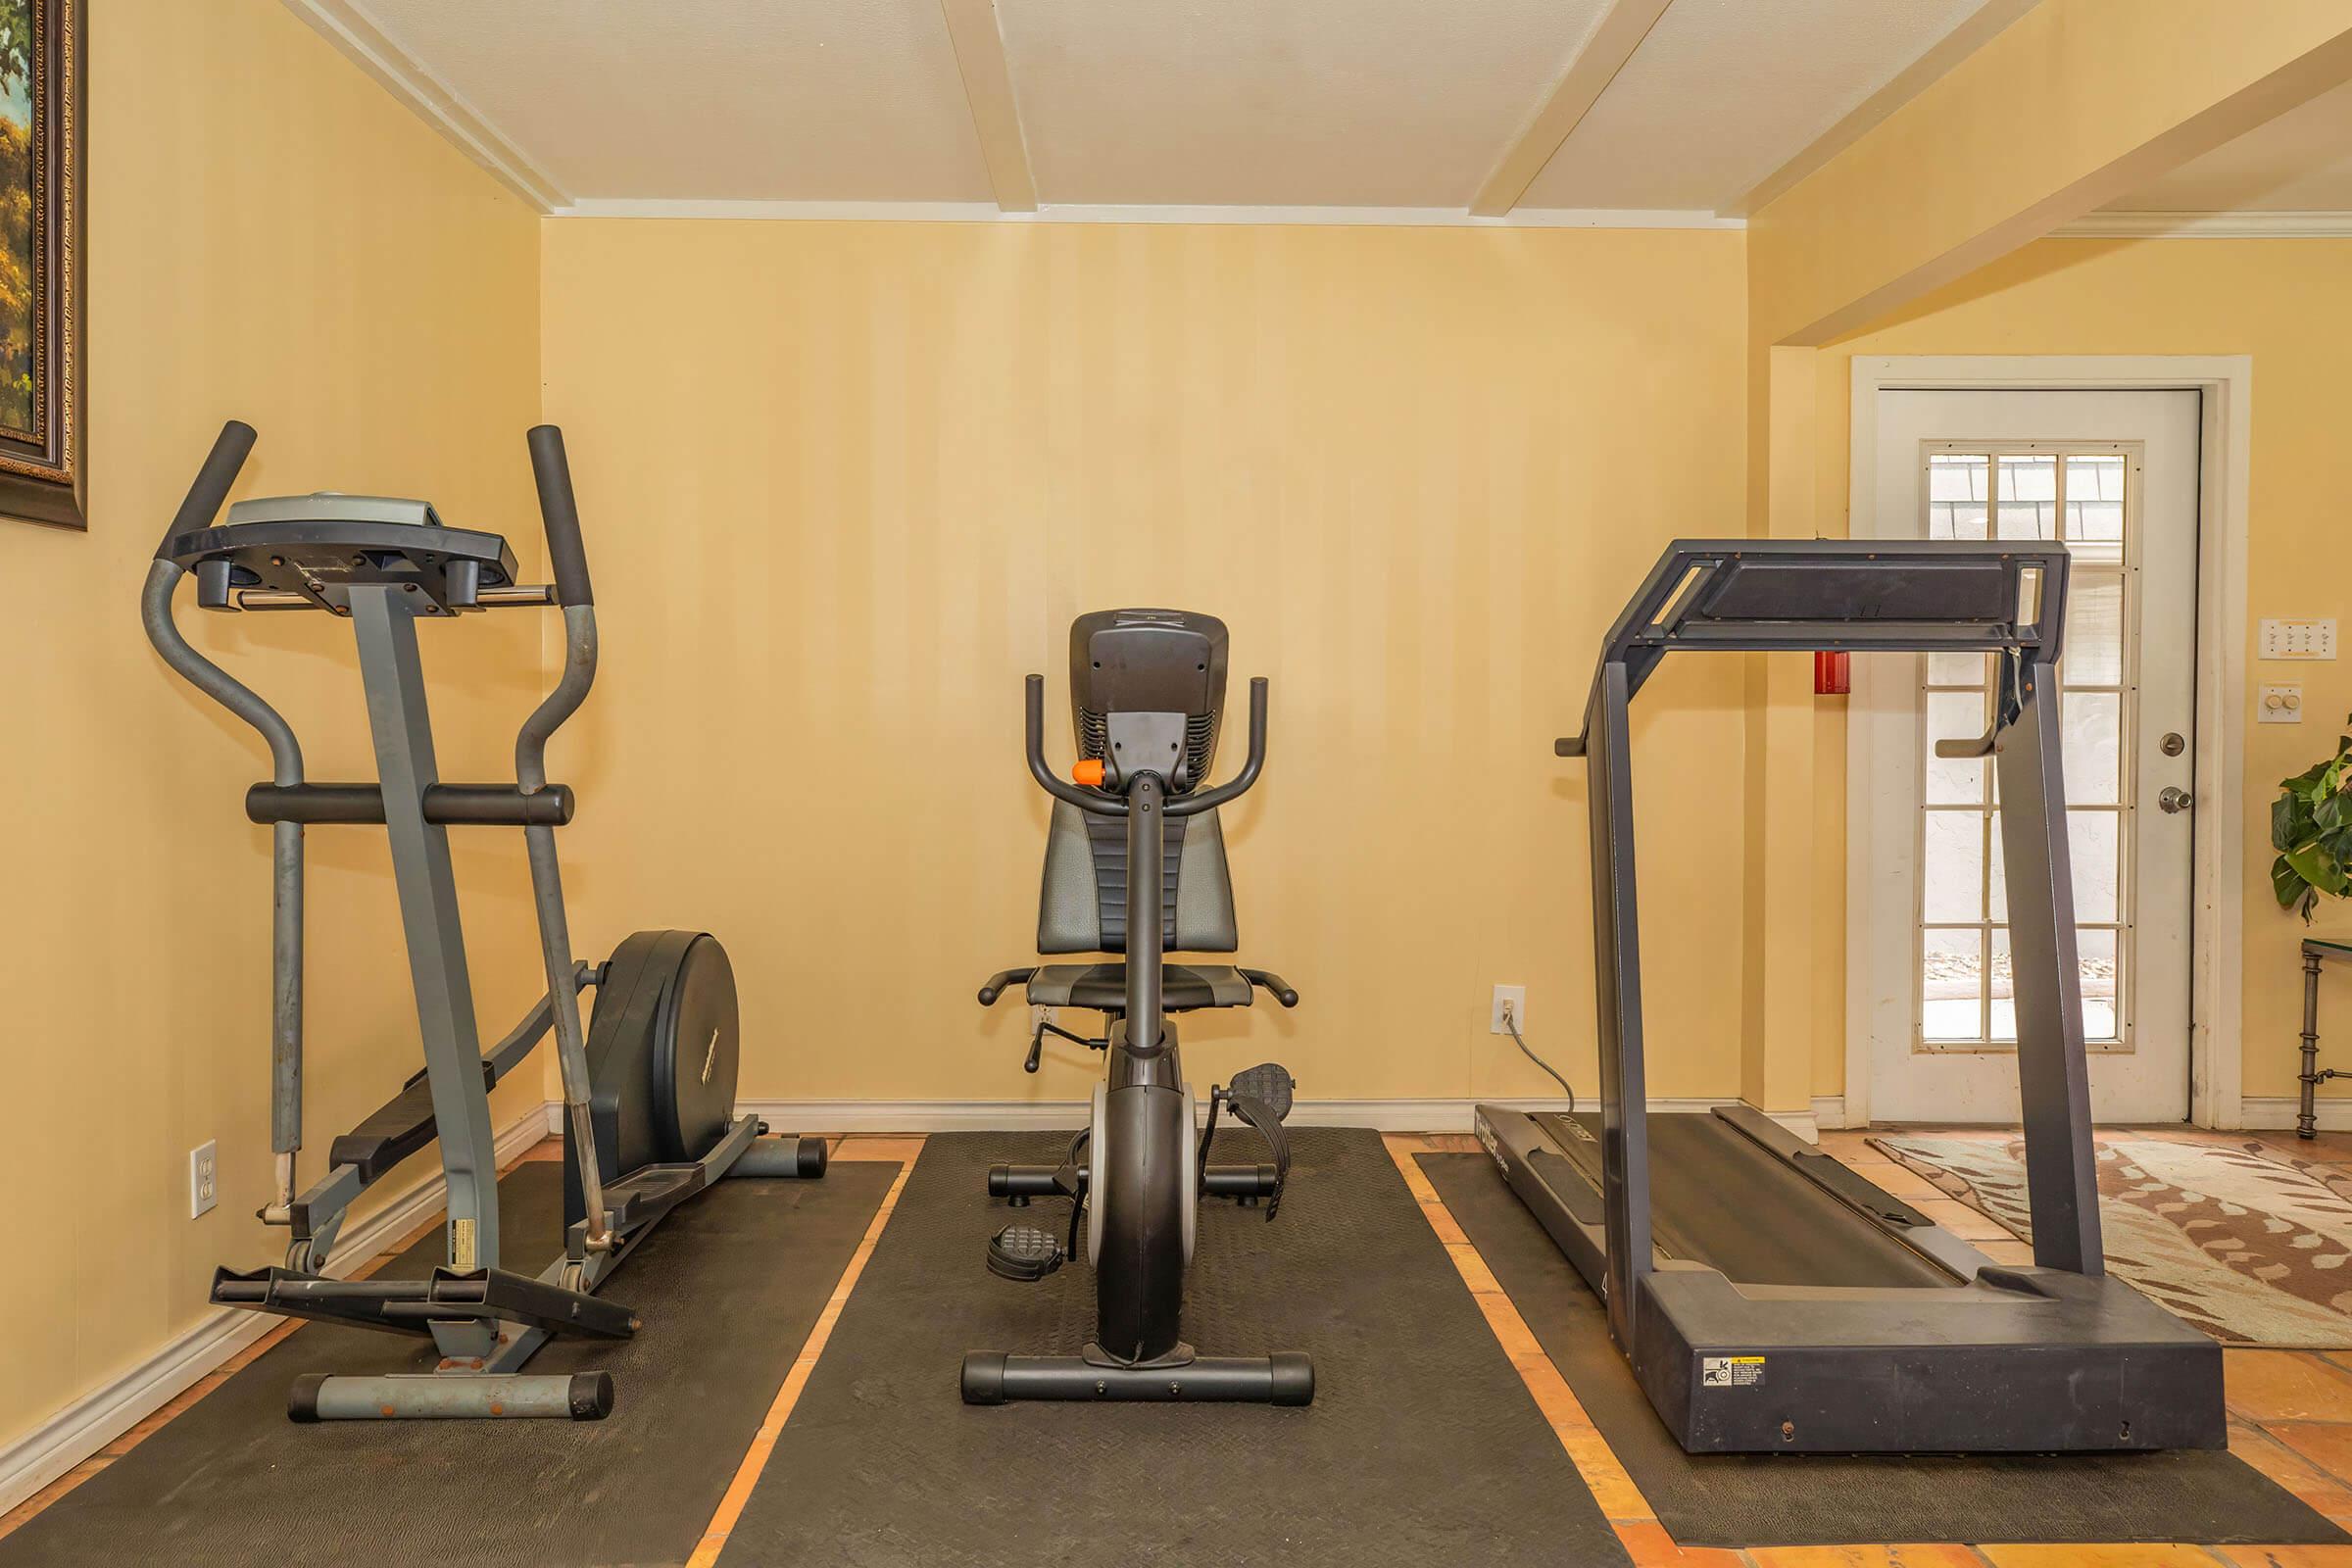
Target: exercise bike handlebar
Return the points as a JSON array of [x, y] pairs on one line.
[[1099, 803]]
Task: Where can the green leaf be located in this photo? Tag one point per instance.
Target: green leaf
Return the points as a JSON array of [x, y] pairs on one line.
[[2332, 812], [2290, 823], [2286, 883], [2319, 868]]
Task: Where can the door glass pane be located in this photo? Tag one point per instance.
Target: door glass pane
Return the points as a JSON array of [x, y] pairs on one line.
[[2090, 727], [2028, 498], [2095, 507], [1966, 980], [1951, 982], [2001, 1022], [2090, 835], [1956, 496], [2096, 954], [1956, 669], [1954, 715], [1954, 879], [2095, 629]]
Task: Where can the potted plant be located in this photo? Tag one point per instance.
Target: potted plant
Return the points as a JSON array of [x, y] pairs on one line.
[[2311, 828]]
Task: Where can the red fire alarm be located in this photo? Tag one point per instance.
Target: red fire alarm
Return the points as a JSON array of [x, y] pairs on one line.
[[1832, 674]]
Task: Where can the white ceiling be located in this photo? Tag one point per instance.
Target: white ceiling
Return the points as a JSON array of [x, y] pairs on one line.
[[1326, 104], [2299, 163], [1279, 103], [1723, 92]]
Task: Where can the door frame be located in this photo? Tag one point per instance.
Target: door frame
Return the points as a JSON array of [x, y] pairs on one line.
[[2216, 923]]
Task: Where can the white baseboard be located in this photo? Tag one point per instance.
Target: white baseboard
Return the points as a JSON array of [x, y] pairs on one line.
[[2268, 1113], [1020, 1116], [106, 1412], [1829, 1111]]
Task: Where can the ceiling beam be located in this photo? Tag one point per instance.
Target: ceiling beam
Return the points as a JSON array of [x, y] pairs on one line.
[[988, 88], [1981, 26], [1603, 53], [343, 24]]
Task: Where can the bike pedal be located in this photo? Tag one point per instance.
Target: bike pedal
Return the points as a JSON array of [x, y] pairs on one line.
[[1023, 1252], [1268, 1083]]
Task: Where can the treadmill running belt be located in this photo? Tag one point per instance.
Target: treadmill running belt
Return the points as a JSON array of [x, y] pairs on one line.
[[1718, 1197]]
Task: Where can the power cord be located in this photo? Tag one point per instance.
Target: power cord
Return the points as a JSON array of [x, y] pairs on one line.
[[1510, 1022]]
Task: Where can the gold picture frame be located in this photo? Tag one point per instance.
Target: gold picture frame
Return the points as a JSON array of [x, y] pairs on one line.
[[43, 442]]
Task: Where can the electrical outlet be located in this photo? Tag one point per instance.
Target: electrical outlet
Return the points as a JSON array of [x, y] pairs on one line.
[[1513, 998], [204, 1178], [2279, 705], [2298, 639], [1041, 1015]]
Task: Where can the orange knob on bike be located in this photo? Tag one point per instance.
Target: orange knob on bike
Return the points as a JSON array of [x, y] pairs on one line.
[[1089, 772]]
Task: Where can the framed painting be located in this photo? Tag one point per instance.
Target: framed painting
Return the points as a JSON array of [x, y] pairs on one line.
[[44, 458]]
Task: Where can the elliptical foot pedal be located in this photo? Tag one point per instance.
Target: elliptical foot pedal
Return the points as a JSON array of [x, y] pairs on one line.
[[1024, 1253]]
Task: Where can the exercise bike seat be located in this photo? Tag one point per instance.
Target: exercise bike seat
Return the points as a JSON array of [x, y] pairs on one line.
[[1103, 986]]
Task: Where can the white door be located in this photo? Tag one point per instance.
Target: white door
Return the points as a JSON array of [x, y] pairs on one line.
[[2114, 476]]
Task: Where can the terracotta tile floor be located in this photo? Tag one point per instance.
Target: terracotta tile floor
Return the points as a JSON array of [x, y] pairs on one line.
[[2290, 1411]]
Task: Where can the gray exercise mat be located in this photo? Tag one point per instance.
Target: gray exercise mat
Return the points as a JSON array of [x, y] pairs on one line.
[[728, 1285], [1422, 1445], [1826, 1499]]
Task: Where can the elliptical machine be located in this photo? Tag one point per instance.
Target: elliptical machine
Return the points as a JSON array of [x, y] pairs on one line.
[[649, 1091], [1134, 863]]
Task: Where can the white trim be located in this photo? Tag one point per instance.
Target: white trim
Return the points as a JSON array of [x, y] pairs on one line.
[[2218, 918], [2269, 1112], [1599, 55], [1068, 213], [347, 25], [1829, 1111], [100, 1416], [977, 36], [2207, 225], [1973, 34], [825, 1116]]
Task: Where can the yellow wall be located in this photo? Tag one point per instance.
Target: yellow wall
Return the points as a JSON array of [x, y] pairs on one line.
[[273, 237], [846, 483], [2285, 303]]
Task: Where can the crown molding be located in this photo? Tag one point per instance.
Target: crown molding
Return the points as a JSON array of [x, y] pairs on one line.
[[2207, 225], [347, 25], [1061, 213]]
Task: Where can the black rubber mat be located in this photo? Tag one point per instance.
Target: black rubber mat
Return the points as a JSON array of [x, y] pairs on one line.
[[1825, 1501], [1422, 1444], [729, 1286]]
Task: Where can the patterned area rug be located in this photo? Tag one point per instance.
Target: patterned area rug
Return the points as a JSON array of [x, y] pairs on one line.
[[2249, 1246]]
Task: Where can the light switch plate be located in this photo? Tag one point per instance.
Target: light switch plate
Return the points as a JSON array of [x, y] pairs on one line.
[[2279, 705], [2298, 639]]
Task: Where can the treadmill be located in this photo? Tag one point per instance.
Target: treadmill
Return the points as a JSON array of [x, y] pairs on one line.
[[1768, 1298]]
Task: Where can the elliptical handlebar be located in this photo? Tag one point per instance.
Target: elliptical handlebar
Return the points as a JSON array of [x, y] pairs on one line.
[[1097, 803], [212, 485], [559, 515]]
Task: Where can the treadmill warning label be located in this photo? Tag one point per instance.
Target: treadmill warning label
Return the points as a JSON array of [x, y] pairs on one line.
[[1731, 1371]]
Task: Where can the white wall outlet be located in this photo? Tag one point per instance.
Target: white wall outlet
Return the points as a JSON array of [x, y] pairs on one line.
[[2299, 639], [1041, 1015], [204, 1178], [2279, 705], [1513, 998]]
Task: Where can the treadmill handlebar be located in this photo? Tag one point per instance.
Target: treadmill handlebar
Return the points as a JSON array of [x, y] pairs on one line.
[[212, 485], [1099, 803]]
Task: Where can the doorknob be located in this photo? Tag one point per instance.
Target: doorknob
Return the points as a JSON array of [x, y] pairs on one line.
[[2173, 799]]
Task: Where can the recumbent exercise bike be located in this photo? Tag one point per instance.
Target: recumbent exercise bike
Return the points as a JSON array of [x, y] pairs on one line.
[[1134, 863]]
